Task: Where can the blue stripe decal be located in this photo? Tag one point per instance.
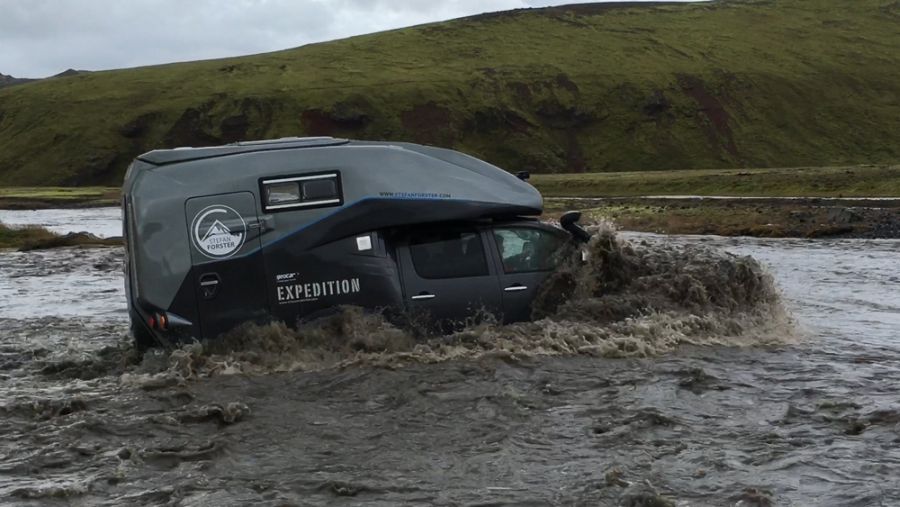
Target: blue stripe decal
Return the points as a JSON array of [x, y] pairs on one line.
[[344, 208], [354, 203]]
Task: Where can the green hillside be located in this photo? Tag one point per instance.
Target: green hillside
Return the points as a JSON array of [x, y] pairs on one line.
[[754, 83]]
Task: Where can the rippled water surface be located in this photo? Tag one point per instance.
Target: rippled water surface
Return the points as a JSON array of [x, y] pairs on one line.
[[103, 222], [807, 419]]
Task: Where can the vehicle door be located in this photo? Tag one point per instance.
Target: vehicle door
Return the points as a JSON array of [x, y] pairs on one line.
[[526, 256], [447, 276], [228, 272]]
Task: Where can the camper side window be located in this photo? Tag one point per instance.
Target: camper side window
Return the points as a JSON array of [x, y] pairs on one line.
[[308, 191], [281, 193]]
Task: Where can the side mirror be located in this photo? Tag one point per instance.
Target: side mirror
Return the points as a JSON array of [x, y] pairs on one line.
[[569, 222], [523, 175]]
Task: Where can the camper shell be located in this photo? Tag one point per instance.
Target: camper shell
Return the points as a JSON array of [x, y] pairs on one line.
[[288, 229]]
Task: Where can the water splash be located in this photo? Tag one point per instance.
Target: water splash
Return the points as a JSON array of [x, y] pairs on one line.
[[627, 299]]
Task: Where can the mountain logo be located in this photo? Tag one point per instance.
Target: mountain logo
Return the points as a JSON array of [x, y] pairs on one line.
[[218, 231]]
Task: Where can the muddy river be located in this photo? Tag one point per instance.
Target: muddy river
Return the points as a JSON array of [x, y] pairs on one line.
[[666, 371]]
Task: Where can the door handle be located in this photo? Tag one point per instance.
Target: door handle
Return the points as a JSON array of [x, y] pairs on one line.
[[264, 224], [423, 295], [209, 284], [515, 288]]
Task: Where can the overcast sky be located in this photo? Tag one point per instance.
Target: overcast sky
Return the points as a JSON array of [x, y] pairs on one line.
[[39, 38]]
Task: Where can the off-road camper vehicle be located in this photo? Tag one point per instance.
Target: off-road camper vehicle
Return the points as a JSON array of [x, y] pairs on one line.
[[286, 229]]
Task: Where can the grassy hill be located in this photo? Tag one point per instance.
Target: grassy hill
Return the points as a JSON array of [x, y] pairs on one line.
[[599, 87]]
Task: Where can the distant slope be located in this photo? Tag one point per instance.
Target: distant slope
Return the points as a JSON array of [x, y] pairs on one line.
[[10, 81], [753, 83]]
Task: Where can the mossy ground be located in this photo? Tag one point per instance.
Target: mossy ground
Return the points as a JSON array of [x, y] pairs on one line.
[[768, 221], [739, 83], [761, 218], [57, 197], [16, 237], [618, 196], [849, 181]]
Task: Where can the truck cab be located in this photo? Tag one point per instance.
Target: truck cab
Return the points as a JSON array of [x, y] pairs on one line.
[[459, 269]]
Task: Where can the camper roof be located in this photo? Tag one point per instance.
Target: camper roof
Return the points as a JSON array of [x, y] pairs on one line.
[[163, 157]]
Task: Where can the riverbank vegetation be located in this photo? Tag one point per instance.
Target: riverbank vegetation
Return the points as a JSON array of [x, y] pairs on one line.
[[16, 237], [37, 238], [861, 181], [847, 181], [771, 218], [58, 197], [834, 201], [578, 88]]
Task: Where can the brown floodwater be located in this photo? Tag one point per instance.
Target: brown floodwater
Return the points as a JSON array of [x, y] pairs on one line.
[[664, 371]]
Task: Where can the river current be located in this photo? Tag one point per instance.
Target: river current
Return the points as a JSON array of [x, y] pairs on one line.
[[732, 391]]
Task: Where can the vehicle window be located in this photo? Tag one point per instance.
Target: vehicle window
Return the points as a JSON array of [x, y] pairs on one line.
[[280, 193], [448, 254], [309, 191], [525, 249], [319, 189]]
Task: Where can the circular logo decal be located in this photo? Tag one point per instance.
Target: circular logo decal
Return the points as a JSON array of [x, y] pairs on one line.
[[218, 231]]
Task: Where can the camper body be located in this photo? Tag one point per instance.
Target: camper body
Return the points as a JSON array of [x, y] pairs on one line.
[[288, 229]]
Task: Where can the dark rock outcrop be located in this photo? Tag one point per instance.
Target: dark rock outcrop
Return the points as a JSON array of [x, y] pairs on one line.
[[6, 80]]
